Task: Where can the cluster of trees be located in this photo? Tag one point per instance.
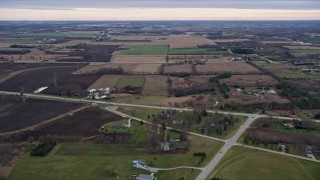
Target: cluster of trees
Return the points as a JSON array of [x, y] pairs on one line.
[[243, 50], [223, 88], [21, 46], [43, 149], [14, 51], [219, 124]]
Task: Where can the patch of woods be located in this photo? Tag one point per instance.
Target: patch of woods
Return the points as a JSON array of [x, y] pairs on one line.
[[43, 149], [223, 88], [218, 124], [294, 134], [5, 51]]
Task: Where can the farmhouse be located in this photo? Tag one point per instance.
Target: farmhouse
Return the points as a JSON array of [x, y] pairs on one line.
[[140, 164]]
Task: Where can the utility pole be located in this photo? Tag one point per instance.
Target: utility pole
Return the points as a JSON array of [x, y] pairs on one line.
[[55, 79]]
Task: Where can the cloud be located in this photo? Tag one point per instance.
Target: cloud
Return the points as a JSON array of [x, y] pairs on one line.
[[159, 14], [239, 4]]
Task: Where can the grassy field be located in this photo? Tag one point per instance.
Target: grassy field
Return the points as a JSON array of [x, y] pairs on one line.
[[139, 131], [306, 51], [21, 41], [132, 81], [242, 163], [94, 161], [196, 51], [297, 74], [145, 50], [186, 174]]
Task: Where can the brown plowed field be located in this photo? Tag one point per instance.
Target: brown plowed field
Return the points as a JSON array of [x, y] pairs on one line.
[[249, 80], [34, 79], [182, 41], [105, 81], [140, 59], [15, 115], [235, 67], [183, 68], [81, 124]]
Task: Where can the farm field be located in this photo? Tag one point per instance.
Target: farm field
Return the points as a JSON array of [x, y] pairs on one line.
[[243, 163], [75, 158], [135, 81], [155, 86], [183, 68], [34, 79], [84, 123], [72, 84], [196, 51], [235, 67], [303, 47], [182, 41], [127, 68], [306, 51], [105, 81], [140, 59], [145, 50], [15, 115], [7, 68], [249, 80]]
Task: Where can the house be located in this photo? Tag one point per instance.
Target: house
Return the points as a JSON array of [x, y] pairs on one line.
[[140, 164], [145, 177], [166, 146], [271, 91]]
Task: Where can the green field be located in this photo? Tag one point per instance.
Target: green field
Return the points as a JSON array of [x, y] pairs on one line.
[[145, 50], [139, 131], [94, 161], [241, 163], [306, 51], [134, 81], [21, 41], [186, 174], [196, 51]]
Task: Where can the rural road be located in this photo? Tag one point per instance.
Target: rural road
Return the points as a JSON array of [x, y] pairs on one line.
[[214, 162], [228, 144], [58, 98]]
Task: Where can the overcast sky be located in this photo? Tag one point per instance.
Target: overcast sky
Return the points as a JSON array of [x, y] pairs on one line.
[[159, 9]]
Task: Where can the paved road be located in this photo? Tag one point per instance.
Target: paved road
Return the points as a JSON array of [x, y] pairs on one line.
[[153, 169], [277, 152], [58, 98], [213, 163], [229, 143]]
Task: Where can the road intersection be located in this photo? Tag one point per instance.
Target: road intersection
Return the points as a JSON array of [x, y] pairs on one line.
[[205, 171]]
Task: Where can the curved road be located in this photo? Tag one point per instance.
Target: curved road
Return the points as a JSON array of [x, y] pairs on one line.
[[214, 162]]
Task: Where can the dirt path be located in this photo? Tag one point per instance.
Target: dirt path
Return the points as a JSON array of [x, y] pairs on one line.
[[29, 128]]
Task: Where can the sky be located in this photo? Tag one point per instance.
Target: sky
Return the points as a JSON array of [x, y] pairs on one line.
[[160, 9]]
